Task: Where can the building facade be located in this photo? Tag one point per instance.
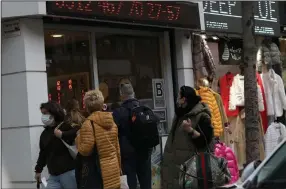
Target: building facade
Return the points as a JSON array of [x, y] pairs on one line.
[[59, 50]]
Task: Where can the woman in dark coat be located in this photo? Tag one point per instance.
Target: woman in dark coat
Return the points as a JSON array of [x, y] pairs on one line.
[[191, 130]]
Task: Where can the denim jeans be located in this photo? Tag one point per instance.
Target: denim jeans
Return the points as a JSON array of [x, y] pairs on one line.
[[63, 181], [140, 167]]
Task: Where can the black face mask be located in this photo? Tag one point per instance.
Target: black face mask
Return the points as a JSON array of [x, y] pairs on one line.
[[181, 111]]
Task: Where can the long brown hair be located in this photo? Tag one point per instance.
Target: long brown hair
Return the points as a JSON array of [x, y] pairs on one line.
[[74, 115]]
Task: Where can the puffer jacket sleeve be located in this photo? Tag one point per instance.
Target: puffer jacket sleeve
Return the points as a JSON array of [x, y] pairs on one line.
[[85, 141]]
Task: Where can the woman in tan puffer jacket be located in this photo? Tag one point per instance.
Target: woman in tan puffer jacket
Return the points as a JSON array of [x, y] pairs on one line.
[[104, 138]]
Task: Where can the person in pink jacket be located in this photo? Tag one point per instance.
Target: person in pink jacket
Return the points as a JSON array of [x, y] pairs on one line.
[[221, 150]]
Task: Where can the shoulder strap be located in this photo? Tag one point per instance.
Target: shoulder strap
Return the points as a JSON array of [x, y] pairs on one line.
[[59, 125], [92, 125]]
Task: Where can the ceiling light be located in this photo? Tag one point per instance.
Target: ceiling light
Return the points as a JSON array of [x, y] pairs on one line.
[[57, 35], [215, 37], [204, 36]]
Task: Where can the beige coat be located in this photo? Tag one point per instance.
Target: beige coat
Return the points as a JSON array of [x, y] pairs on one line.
[[235, 138]]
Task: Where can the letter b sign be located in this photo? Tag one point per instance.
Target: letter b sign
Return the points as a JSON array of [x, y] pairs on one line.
[[159, 90]]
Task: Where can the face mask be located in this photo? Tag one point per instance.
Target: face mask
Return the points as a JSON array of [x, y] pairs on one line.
[[47, 119]]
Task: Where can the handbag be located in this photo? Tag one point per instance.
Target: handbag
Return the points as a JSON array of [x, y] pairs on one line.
[[123, 182], [71, 148], [88, 171], [204, 171]]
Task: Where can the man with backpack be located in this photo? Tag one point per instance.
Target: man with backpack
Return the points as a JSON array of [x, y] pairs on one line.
[[138, 135]]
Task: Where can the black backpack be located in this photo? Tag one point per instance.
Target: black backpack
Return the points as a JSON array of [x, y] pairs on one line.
[[143, 128]]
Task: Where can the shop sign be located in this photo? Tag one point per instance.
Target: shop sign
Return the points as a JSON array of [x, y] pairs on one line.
[[158, 93], [156, 13], [11, 29], [230, 51], [225, 16]]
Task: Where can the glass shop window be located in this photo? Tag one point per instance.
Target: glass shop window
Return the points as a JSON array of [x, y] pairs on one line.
[[134, 59], [69, 65]]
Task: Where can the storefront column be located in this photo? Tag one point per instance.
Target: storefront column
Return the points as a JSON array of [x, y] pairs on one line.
[[184, 62], [24, 88]]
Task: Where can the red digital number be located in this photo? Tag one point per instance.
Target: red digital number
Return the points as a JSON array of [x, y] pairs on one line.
[[173, 12], [137, 8], [154, 10], [119, 8], [65, 4], [107, 7], [78, 5], [60, 4], [87, 6], [69, 5]]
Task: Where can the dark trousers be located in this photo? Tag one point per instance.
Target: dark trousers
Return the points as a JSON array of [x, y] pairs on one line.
[[140, 166]]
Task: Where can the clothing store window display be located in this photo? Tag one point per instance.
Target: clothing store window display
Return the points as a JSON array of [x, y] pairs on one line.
[[275, 94], [231, 88]]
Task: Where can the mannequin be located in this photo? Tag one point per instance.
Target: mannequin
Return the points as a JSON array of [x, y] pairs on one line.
[[203, 82]]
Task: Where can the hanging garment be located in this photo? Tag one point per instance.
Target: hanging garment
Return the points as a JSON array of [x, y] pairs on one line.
[[204, 64], [274, 93], [209, 98], [224, 118], [276, 132], [235, 138], [269, 54], [225, 83], [236, 95], [221, 150], [263, 114]]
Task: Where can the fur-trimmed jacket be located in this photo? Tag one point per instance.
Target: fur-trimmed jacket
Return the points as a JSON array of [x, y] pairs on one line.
[[274, 93]]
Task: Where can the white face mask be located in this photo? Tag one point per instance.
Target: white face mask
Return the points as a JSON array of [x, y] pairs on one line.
[[48, 120]]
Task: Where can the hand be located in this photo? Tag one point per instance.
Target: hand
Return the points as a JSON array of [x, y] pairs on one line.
[[38, 177], [58, 133], [187, 125]]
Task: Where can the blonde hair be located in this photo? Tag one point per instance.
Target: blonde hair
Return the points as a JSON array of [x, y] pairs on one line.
[[73, 113], [93, 100]]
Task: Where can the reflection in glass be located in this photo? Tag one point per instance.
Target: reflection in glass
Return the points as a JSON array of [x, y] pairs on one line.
[[68, 64], [128, 59]]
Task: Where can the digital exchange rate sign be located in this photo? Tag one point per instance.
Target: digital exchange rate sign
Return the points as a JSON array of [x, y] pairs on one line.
[[157, 13], [225, 16]]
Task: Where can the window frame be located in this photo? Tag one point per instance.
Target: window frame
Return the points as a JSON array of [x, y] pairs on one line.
[[165, 56]]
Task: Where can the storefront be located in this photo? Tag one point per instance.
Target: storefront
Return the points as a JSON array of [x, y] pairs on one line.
[[73, 47], [222, 76]]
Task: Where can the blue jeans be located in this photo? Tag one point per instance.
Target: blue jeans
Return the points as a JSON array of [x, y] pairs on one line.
[[63, 181]]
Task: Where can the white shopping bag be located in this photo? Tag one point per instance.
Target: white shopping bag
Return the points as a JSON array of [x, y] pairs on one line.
[[123, 182], [72, 149], [43, 183]]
